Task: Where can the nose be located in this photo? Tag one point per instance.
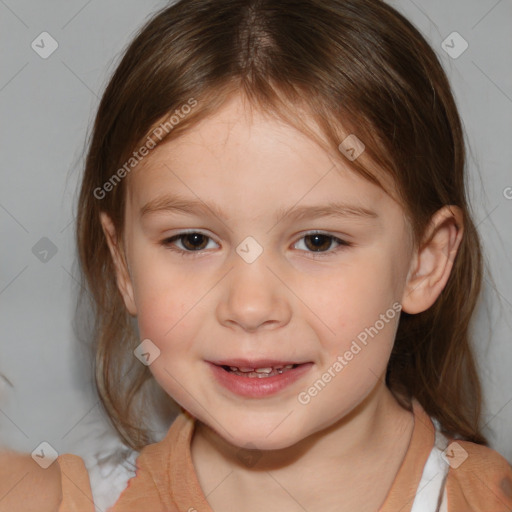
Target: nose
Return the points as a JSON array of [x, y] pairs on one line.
[[253, 297]]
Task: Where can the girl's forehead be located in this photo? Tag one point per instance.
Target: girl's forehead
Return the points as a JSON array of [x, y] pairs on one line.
[[241, 149], [232, 191], [274, 184], [238, 122]]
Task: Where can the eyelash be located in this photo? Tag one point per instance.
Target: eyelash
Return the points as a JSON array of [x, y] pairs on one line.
[[168, 243]]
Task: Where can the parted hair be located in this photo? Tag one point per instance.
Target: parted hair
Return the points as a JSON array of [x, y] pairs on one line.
[[346, 67]]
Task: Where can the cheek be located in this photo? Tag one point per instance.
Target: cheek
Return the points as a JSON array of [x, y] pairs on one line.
[[164, 293], [166, 318], [356, 312], [351, 297], [172, 305], [168, 314]]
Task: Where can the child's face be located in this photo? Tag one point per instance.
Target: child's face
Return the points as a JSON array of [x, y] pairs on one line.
[[226, 302]]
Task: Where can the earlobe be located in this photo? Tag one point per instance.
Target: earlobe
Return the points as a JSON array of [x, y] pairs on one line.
[[123, 278], [432, 262]]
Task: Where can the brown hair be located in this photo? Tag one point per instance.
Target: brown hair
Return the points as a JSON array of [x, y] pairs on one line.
[[352, 66]]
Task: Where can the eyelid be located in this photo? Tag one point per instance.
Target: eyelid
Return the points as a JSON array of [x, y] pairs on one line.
[[342, 244], [180, 234]]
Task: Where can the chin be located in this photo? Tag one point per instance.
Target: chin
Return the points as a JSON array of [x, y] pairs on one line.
[[257, 441], [255, 432]]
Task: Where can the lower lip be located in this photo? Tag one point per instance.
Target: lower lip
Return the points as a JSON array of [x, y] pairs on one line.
[[256, 387]]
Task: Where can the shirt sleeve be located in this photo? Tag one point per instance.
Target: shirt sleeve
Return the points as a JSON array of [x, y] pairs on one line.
[[75, 484], [143, 491], [479, 479]]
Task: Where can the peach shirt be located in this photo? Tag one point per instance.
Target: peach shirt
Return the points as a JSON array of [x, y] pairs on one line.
[[166, 481]]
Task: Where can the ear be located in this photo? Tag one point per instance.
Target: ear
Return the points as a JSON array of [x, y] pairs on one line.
[[432, 262], [124, 282]]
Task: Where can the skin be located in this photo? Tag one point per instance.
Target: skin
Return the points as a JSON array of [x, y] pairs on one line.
[[27, 487], [286, 305]]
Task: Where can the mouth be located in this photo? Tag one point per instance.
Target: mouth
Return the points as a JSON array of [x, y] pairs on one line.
[[258, 378], [259, 372]]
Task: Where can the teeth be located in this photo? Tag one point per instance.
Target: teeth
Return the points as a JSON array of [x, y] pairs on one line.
[[246, 369], [263, 370]]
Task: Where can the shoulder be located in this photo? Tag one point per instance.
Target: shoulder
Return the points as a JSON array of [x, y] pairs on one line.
[[479, 478], [156, 455], [25, 486], [157, 465], [74, 476]]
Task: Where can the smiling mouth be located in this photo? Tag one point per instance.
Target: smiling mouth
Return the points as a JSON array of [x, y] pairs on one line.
[[258, 378], [259, 373]]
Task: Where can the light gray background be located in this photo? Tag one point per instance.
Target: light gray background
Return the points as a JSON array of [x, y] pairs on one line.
[[46, 106]]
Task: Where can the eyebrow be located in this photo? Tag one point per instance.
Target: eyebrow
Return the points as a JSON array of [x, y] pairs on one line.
[[173, 203]]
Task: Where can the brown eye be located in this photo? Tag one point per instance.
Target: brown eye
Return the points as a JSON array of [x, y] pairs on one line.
[[318, 242], [194, 241], [187, 242], [321, 244]]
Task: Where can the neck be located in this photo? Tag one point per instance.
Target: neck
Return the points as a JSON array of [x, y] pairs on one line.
[[372, 424], [350, 465]]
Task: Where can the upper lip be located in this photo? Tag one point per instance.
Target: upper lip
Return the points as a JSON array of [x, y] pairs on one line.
[[254, 363]]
